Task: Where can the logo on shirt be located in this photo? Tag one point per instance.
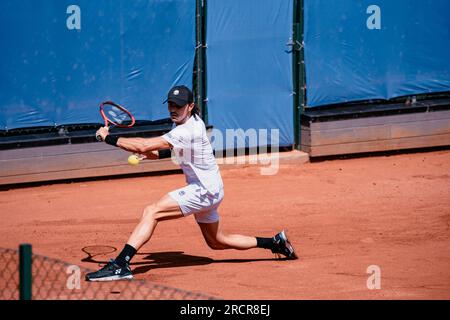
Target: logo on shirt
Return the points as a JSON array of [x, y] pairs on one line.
[[181, 193]]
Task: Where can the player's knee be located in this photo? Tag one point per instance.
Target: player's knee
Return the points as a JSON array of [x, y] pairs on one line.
[[150, 212], [153, 212], [215, 245]]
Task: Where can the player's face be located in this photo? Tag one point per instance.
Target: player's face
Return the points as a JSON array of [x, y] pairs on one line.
[[180, 114]]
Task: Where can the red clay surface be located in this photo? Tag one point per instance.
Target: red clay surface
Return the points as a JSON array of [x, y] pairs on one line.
[[342, 216]]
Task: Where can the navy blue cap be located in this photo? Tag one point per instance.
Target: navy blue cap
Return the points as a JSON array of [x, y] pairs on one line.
[[181, 95]]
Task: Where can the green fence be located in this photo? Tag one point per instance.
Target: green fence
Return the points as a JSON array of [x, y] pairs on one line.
[[27, 276]]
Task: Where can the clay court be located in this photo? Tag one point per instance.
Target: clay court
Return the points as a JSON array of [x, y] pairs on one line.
[[341, 215]]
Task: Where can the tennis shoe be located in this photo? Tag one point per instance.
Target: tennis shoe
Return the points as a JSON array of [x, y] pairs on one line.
[[110, 272], [282, 246]]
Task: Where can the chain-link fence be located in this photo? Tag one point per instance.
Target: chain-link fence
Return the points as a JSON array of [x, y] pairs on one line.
[[51, 279], [9, 276]]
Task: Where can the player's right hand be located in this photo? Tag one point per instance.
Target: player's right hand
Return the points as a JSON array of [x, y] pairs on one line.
[[102, 132]]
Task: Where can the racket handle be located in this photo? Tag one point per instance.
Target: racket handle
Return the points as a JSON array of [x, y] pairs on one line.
[[99, 137]]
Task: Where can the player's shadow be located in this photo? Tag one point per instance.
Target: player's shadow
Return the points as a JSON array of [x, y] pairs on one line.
[[171, 259], [176, 259]]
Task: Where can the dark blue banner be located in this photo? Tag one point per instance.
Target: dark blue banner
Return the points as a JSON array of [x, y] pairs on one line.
[[61, 58], [359, 50], [250, 70]]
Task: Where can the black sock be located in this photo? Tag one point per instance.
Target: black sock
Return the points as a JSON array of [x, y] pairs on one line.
[[126, 255], [266, 243]]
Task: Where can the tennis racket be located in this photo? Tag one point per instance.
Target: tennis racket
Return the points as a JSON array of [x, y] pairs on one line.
[[115, 115]]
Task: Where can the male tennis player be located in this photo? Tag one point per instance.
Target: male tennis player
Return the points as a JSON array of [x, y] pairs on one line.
[[201, 196]]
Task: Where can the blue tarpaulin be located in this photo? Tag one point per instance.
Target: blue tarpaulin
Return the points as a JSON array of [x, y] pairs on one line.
[[58, 62], [360, 50], [250, 68]]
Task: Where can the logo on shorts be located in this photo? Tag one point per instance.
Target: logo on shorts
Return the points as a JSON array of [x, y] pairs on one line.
[[181, 193]]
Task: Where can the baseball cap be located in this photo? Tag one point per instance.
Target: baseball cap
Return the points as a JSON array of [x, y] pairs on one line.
[[181, 95]]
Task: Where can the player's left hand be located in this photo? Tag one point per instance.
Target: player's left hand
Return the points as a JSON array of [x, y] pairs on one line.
[[102, 132], [151, 155]]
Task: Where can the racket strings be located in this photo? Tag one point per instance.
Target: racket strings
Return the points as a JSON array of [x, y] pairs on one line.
[[117, 115]]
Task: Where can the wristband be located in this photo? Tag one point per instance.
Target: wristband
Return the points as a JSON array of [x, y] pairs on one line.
[[111, 140]]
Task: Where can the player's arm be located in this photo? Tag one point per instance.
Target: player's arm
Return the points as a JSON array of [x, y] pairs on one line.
[[144, 146], [147, 147]]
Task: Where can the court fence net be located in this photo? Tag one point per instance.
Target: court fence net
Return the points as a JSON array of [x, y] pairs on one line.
[[27, 276]]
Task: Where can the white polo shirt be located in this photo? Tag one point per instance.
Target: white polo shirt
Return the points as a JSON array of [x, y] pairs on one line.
[[194, 153]]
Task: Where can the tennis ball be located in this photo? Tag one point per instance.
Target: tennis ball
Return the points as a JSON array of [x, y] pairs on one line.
[[133, 160]]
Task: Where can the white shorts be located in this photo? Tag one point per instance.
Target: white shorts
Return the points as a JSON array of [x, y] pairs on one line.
[[194, 199]]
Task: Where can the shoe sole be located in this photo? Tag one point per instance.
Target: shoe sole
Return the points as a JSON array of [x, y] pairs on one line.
[[112, 278], [289, 245]]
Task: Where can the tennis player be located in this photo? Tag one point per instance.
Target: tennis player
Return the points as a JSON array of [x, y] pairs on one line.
[[200, 197]]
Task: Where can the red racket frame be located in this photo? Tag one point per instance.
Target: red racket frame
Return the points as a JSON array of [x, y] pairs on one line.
[[109, 121]]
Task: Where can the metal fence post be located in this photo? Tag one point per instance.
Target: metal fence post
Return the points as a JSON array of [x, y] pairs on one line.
[[25, 275], [200, 59], [298, 70]]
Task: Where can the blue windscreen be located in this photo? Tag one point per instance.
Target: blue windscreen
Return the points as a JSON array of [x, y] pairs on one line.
[[59, 61], [250, 68], [359, 50]]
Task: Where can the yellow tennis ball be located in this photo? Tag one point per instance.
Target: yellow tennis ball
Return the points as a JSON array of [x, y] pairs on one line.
[[133, 160]]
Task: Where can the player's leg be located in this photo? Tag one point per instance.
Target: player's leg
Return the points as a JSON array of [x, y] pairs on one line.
[[165, 209], [219, 240]]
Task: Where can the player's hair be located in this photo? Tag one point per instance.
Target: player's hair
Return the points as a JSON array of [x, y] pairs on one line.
[[196, 111]]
